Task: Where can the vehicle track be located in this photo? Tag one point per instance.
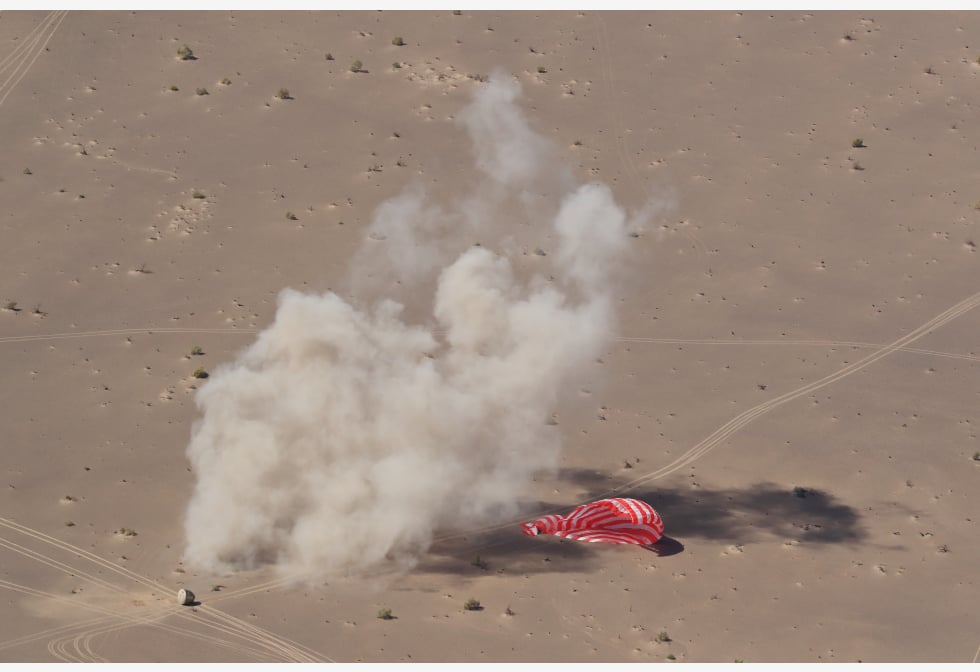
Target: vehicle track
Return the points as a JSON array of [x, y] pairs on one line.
[[25, 54], [219, 620]]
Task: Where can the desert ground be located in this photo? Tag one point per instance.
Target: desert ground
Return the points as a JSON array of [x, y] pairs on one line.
[[792, 381]]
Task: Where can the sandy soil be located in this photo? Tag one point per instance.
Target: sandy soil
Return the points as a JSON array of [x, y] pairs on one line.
[[802, 318]]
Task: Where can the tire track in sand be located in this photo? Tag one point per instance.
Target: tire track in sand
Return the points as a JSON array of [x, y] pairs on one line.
[[221, 621], [25, 54]]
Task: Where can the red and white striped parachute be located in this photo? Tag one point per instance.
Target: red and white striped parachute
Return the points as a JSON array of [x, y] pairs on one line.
[[612, 521]]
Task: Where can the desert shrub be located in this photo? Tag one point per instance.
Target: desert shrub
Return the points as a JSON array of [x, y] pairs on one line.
[[197, 350], [291, 215], [857, 143], [283, 94], [172, 87], [356, 66], [27, 171], [185, 53], [225, 81], [671, 656], [542, 69], [976, 456], [472, 605], [385, 614], [69, 523], [800, 492], [197, 194], [396, 65], [10, 305], [328, 56], [201, 91], [480, 563], [398, 42], [200, 373], [662, 636]]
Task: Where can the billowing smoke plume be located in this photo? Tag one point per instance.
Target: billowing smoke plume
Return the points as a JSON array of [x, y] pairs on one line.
[[345, 436]]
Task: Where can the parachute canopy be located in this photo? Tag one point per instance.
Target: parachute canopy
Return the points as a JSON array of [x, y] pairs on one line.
[[611, 521]]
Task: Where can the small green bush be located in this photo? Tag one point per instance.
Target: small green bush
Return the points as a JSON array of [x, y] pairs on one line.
[[197, 194], [283, 94], [197, 351], [857, 143], [542, 69], [472, 605], [398, 42], [291, 215], [201, 91], [356, 66], [671, 656], [662, 636], [172, 87], [385, 614], [200, 373], [185, 53]]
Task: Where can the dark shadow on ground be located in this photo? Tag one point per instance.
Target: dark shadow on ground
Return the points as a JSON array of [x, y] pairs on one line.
[[761, 512]]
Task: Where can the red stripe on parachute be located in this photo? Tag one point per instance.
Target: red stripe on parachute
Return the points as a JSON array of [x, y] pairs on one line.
[[610, 521]]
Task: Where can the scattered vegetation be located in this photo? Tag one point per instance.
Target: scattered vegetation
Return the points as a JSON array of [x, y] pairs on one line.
[[283, 94], [11, 306], [398, 42], [185, 53], [27, 171], [126, 532], [201, 91], [858, 143], [328, 56], [225, 81], [472, 605], [478, 78], [173, 87], [197, 194], [662, 636], [800, 492], [356, 66], [200, 373], [290, 215], [542, 70], [385, 614], [197, 351]]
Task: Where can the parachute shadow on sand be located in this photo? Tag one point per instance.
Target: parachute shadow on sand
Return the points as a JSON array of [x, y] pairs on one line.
[[739, 515]]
